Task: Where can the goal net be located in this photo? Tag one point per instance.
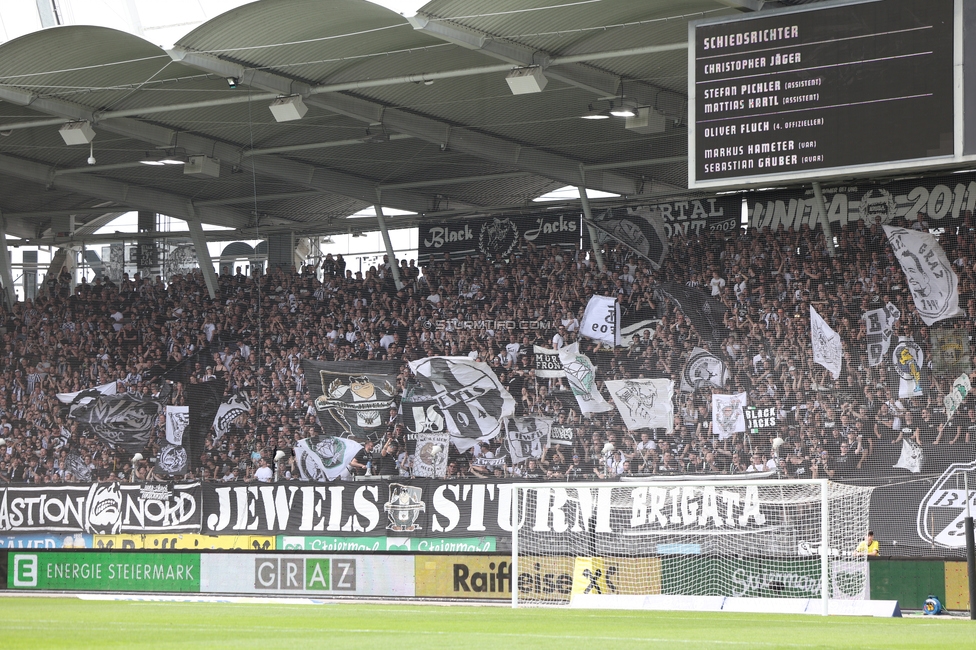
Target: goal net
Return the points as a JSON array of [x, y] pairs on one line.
[[753, 539]]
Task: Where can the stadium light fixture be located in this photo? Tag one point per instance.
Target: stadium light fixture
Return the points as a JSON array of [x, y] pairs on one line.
[[287, 109], [596, 114], [202, 166], [77, 133], [647, 121], [523, 81], [158, 162], [626, 108]]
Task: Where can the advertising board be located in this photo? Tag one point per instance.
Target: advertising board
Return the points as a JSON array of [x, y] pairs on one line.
[[335, 575], [477, 576], [49, 540], [104, 571], [550, 578], [186, 541], [497, 237]]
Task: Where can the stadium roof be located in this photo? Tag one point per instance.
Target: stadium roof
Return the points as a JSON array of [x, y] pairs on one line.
[[411, 114]]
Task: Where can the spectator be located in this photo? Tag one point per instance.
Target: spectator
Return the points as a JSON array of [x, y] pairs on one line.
[[869, 546], [263, 473]]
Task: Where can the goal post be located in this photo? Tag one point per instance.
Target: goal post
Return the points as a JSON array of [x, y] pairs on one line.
[[695, 543]]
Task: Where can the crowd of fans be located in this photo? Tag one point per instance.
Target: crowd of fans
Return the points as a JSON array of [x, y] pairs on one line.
[[141, 332]]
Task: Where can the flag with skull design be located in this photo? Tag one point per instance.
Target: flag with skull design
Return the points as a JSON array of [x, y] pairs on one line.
[[352, 399]]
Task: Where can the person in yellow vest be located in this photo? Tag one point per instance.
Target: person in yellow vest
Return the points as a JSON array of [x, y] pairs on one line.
[[869, 546]]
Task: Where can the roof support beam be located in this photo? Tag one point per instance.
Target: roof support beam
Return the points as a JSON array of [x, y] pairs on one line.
[[306, 90], [435, 182], [285, 169], [319, 145], [310, 176], [203, 255], [474, 143], [95, 223], [62, 213], [137, 196], [390, 255], [588, 218], [237, 200], [457, 180], [576, 74], [617, 54], [458, 138], [6, 275]]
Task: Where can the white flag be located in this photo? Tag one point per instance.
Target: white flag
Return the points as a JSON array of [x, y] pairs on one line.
[[177, 417], [908, 360], [728, 415], [879, 323], [527, 437], [960, 388], [644, 403], [581, 374], [547, 364], [827, 348], [703, 368], [934, 285], [110, 388], [324, 458], [911, 457], [601, 320], [430, 454], [467, 395]]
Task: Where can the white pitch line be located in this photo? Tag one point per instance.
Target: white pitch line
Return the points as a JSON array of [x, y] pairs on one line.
[[238, 629]]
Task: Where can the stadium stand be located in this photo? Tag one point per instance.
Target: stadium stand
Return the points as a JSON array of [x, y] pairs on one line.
[[143, 333]]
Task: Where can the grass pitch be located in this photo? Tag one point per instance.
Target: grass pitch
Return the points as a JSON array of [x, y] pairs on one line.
[[72, 623]]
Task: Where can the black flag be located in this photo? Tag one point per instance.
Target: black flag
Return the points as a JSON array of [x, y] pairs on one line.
[[352, 399], [706, 313], [204, 400], [121, 420], [173, 461], [639, 229]]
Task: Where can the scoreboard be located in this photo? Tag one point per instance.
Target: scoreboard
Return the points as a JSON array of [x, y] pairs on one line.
[[828, 90]]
